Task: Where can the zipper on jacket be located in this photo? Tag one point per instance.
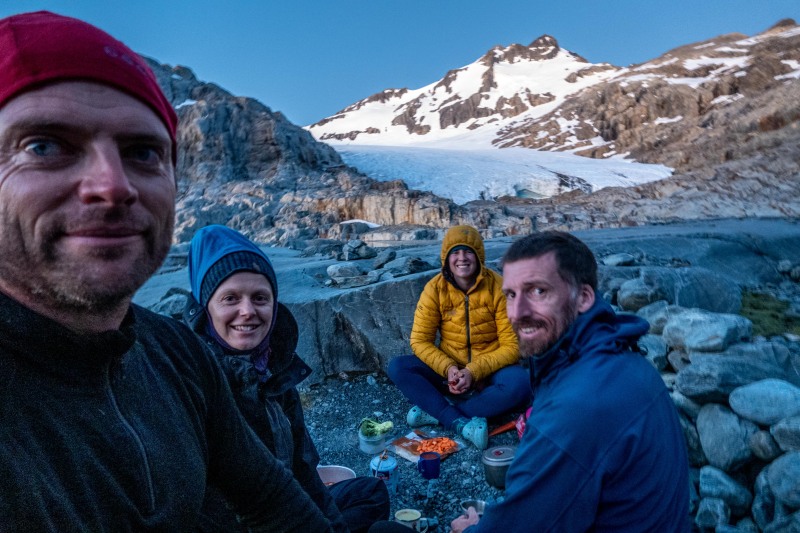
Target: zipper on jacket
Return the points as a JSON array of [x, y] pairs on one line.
[[136, 439], [466, 322]]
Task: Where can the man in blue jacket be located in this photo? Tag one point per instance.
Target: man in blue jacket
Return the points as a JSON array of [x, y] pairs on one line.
[[603, 449]]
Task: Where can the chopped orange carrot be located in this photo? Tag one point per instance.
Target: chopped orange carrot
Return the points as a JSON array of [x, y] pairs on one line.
[[442, 445]]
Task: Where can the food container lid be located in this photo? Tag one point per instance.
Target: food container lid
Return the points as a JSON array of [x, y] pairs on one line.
[[499, 455]]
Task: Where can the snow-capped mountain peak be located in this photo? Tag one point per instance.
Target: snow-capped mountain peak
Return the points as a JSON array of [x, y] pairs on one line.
[[499, 86], [547, 100]]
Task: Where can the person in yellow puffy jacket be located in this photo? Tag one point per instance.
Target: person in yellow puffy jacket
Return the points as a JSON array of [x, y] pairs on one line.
[[474, 372]]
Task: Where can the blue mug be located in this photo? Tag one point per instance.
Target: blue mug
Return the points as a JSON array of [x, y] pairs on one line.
[[429, 464]]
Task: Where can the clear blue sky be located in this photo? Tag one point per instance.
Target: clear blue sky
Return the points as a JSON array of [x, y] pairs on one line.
[[311, 58]]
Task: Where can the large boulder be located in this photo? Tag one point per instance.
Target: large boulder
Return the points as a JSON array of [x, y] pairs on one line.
[[784, 479], [714, 483], [704, 331], [766, 402], [724, 437], [688, 287], [712, 377]]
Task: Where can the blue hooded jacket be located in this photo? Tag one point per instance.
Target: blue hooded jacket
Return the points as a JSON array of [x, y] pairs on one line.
[[603, 449]]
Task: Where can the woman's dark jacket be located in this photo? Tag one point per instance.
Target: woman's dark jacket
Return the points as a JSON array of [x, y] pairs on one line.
[[272, 407]]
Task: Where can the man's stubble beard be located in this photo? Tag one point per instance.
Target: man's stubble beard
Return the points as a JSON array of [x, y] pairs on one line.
[[76, 284], [531, 348]]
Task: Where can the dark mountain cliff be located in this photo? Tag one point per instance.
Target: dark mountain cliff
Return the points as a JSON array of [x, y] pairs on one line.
[[243, 165]]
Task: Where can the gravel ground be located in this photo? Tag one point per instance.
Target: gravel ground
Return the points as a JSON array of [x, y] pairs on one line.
[[334, 408]]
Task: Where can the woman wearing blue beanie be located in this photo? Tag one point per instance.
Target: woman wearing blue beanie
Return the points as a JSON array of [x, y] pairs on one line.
[[234, 307]]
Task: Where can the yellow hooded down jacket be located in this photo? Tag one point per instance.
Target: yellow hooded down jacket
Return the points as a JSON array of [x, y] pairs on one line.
[[474, 329]]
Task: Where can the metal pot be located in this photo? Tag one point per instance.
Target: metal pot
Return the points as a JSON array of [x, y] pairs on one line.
[[496, 461]]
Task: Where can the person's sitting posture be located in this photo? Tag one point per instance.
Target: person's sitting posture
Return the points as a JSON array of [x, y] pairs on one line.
[[234, 307], [475, 362], [603, 449]]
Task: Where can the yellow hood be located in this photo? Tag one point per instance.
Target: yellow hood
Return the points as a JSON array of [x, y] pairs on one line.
[[466, 236]]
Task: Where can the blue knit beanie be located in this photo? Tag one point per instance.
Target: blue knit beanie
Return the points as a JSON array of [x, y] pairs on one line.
[[217, 252], [229, 265]]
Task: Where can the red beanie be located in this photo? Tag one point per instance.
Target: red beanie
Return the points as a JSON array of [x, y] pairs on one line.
[[42, 47]]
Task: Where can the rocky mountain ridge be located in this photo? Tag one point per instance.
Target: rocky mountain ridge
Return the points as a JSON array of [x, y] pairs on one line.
[[736, 149], [656, 111], [503, 83]]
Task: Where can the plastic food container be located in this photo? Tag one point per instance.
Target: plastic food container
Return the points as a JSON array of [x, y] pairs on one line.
[[371, 445], [496, 461]]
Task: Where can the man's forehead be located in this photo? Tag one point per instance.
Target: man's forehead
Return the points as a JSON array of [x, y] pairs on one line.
[[81, 104], [531, 268]]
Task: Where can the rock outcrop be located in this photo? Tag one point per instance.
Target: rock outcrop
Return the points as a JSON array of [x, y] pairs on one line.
[[242, 165]]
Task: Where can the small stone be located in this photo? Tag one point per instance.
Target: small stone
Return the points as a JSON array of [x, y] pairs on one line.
[[784, 266], [764, 446], [712, 513], [621, 259]]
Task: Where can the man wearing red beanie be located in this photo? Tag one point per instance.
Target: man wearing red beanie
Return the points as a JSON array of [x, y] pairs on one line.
[[113, 418]]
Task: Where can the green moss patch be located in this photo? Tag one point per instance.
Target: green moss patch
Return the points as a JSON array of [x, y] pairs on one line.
[[768, 314]]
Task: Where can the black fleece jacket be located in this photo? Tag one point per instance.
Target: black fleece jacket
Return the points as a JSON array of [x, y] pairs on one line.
[[121, 431]]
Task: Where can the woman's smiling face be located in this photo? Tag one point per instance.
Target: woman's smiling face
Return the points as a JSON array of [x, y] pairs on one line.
[[241, 310], [463, 264]]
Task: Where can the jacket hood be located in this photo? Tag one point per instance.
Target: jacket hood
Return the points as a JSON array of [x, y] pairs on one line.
[[462, 236], [213, 243], [599, 329]]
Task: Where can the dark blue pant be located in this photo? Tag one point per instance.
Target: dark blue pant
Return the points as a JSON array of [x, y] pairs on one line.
[[504, 391], [362, 501]]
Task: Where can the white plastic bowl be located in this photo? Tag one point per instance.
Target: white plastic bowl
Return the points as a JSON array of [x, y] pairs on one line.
[[331, 474]]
